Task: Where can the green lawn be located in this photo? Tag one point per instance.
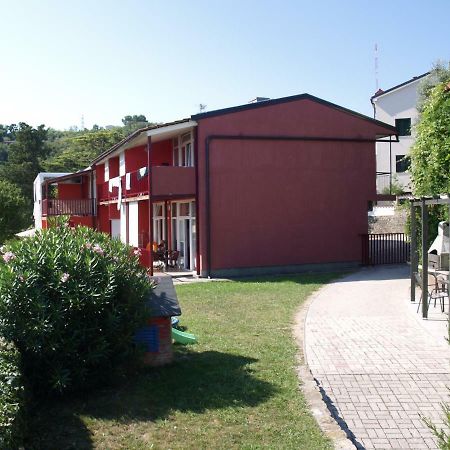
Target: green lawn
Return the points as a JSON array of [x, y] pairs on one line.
[[237, 388]]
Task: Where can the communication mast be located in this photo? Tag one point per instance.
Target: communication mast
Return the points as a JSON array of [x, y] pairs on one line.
[[376, 67]]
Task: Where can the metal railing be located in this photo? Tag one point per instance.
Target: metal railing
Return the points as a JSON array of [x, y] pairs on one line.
[[138, 185], [60, 207], [386, 248]]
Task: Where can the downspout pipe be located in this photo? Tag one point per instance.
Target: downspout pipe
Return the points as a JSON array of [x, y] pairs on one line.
[[208, 141], [150, 206]]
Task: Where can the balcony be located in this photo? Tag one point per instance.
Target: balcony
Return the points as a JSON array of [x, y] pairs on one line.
[[172, 181], [60, 207], [166, 181]]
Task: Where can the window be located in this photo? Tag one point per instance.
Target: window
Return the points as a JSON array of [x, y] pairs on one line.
[[402, 163], [183, 154], [403, 126]]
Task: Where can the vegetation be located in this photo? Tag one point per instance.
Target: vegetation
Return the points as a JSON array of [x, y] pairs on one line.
[[430, 154], [237, 388], [71, 300], [25, 151], [396, 187], [12, 216], [442, 436], [12, 407]]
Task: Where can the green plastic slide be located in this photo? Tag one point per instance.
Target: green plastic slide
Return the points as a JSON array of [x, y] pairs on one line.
[[182, 337]]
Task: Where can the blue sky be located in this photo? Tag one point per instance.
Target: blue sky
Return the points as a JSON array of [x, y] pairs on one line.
[[107, 59]]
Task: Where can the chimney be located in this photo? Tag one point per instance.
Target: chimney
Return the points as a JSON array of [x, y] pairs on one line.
[[259, 99]]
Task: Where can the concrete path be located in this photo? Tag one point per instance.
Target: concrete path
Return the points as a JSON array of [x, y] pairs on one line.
[[377, 364]]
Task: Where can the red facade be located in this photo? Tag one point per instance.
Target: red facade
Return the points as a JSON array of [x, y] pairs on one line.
[[282, 185]]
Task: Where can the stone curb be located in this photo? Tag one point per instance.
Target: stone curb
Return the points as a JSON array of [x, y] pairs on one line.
[[319, 406]]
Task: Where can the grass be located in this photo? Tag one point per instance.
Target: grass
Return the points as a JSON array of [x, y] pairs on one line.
[[237, 388]]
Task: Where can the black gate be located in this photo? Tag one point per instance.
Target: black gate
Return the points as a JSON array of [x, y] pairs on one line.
[[386, 248]]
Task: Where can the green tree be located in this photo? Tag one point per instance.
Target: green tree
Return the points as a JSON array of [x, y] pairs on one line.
[[75, 151], [440, 73], [12, 211], [430, 154], [24, 158], [133, 123]]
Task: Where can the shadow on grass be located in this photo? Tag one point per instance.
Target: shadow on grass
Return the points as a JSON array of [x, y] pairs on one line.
[[195, 382]]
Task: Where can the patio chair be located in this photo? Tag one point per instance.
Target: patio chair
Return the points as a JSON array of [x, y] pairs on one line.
[[436, 292], [172, 259]]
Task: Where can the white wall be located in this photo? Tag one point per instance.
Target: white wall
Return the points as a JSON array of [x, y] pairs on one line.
[[398, 104]]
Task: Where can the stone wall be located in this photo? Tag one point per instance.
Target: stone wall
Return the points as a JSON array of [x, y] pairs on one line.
[[388, 224]]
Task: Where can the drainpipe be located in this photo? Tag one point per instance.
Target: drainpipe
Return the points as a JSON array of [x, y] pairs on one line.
[[150, 205], [390, 165]]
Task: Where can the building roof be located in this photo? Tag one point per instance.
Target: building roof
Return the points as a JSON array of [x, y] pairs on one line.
[[247, 106], [277, 101], [136, 133], [380, 92]]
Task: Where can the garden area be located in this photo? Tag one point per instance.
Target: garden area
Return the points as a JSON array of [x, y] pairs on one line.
[[236, 388], [71, 378]]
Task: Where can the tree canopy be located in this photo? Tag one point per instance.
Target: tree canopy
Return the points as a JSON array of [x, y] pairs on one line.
[[430, 154], [24, 158], [25, 151], [12, 217]]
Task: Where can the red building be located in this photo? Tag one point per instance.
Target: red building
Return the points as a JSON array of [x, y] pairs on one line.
[[277, 185]]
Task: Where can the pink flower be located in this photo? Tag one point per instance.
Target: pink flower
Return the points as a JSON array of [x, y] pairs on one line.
[[88, 245], [64, 277], [98, 249], [137, 251], [8, 256]]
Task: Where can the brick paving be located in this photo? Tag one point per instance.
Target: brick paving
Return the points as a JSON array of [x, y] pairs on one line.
[[378, 366]]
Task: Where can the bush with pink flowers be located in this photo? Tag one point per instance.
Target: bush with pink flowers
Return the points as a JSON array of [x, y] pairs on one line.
[[71, 300]]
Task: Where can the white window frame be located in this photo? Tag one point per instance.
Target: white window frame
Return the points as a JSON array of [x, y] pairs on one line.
[[183, 150], [107, 170], [159, 229], [122, 170]]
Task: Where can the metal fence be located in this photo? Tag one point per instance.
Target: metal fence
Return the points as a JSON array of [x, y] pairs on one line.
[[386, 248]]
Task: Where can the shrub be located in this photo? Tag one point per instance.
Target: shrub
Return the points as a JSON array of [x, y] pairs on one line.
[[71, 300], [11, 397]]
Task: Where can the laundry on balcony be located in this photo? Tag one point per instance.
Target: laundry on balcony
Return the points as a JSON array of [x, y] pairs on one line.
[[114, 182], [128, 181], [142, 172]]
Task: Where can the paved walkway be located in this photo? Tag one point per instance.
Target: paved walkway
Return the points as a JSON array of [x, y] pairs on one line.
[[378, 365]]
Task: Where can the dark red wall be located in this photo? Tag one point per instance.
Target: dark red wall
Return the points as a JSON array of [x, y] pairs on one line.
[[100, 173], [103, 218], [143, 220], [286, 203], [162, 153], [70, 191], [135, 158], [114, 167]]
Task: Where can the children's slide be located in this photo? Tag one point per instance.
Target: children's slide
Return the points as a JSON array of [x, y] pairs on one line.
[[182, 337]]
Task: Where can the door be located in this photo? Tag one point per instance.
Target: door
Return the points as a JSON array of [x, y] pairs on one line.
[[133, 232], [183, 236], [115, 228], [123, 223]]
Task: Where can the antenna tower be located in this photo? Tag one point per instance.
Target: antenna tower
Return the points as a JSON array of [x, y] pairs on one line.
[[376, 67], [82, 122]]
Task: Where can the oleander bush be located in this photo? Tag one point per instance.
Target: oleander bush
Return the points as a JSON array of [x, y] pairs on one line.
[[71, 300], [12, 408]]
